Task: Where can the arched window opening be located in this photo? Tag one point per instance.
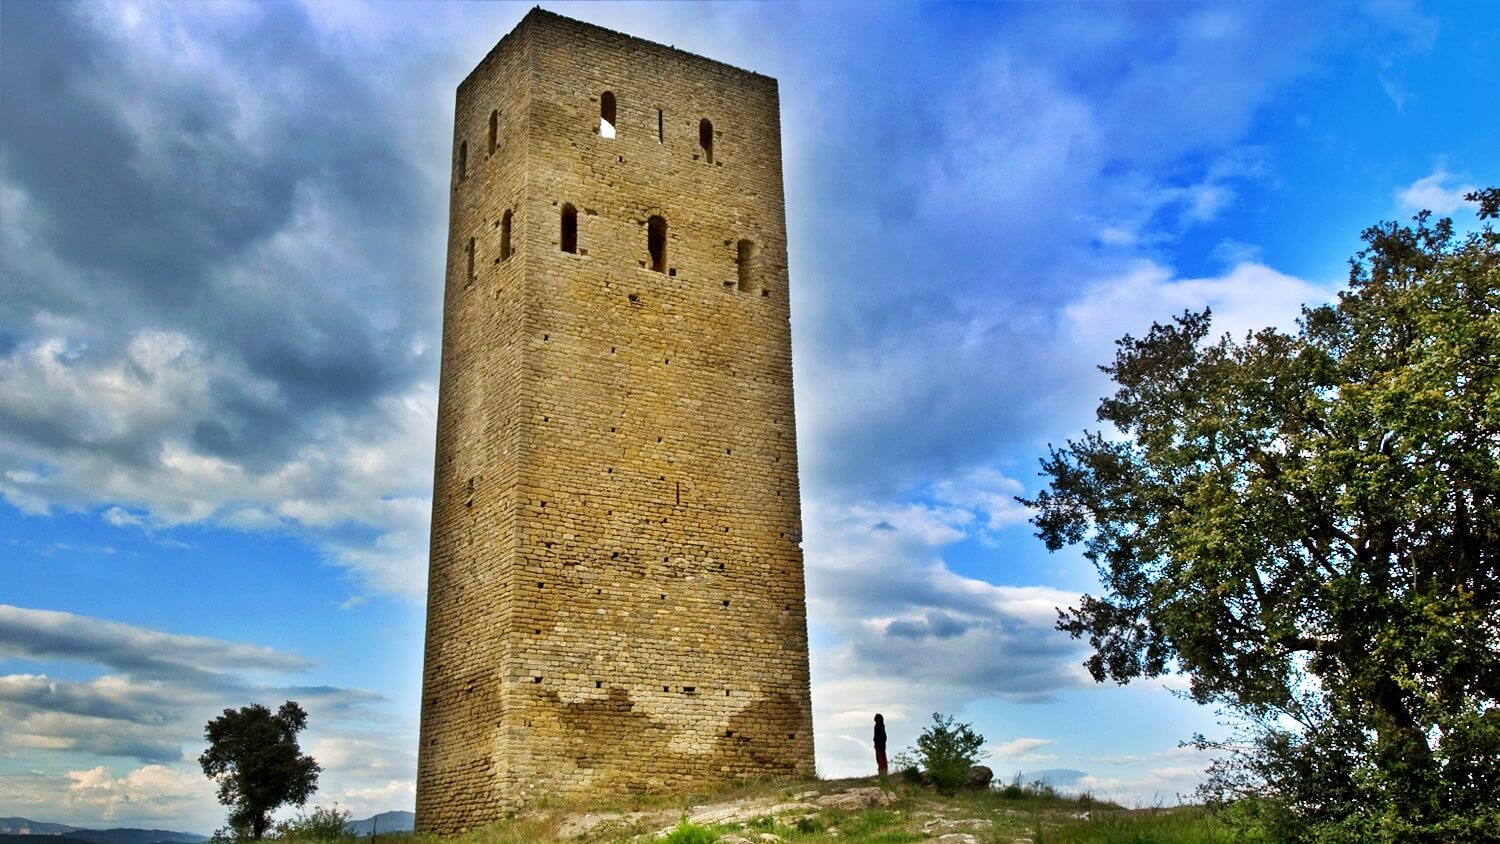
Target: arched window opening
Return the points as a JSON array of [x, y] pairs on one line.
[[607, 114], [463, 161], [469, 253], [569, 228], [746, 261], [494, 129], [706, 139], [505, 236], [656, 242]]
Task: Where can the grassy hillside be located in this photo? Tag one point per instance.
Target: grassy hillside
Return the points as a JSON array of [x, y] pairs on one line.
[[848, 812]]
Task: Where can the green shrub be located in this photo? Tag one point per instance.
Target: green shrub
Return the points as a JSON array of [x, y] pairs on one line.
[[1013, 789], [690, 833], [323, 823], [948, 750], [809, 825]]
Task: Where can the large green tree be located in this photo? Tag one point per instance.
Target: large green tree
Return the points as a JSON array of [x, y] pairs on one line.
[[254, 757], [1307, 525]]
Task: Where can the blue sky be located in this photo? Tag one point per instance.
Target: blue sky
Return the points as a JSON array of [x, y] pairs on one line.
[[221, 243]]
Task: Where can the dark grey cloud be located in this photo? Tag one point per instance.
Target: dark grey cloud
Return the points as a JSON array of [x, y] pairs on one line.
[[48, 635], [935, 624], [74, 698], [159, 689], [251, 192]]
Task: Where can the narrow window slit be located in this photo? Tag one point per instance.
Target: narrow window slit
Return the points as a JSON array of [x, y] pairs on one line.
[[706, 139], [569, 240], [656, 242], [607, 115]]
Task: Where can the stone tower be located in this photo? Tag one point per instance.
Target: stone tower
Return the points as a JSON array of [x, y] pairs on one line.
[[616, 594]]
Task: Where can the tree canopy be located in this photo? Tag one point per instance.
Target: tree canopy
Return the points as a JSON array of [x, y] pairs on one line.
[[254, 757], [1307, 525]]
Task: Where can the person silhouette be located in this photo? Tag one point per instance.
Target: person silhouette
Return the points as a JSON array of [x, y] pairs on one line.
[[880, 743]]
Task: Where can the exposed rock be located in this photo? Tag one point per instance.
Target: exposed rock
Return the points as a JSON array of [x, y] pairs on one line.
[[734, 839], [768, 838], [857, 798], [953, 838], [580, 825], [805, 795], [744, 811], [951, 824], [980, 777]]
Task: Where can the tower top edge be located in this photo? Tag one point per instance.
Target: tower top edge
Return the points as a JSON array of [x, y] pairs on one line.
[[539, 17]]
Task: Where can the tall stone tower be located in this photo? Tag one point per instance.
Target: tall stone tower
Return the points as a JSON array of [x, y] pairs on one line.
[[616, 594]]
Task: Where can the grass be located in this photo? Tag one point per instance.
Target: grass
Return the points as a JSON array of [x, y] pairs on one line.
[[997, 816]]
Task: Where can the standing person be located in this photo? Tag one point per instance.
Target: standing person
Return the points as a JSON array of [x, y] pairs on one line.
[[880, 743]]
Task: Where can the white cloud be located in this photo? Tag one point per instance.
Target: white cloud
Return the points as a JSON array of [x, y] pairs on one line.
[[162, 688], [1022, 750], [130, 425], [1249, 297], [148, 795], [914, 637], [1440, 192]]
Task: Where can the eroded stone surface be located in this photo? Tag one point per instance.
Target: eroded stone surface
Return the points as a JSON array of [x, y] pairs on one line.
[[857, 798]]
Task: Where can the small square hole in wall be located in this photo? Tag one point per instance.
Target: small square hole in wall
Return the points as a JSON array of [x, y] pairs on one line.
[[599, 684], [726, 603], [536, 679], [729, 734], [765, 294], [791, 735], [672, 272], [665, 689], [689, 690]]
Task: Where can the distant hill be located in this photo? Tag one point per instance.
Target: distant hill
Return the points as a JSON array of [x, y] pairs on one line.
[[11, 833], [1055, 777], [383, 822], [133, 836], [22, 826]]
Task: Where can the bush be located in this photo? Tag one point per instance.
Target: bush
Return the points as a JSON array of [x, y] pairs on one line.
[[690, 833], [907, 766], [809, 825], [948, 750], [321, 824]]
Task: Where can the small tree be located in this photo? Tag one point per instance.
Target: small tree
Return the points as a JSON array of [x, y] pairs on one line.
[[947, 751], [254, 757]]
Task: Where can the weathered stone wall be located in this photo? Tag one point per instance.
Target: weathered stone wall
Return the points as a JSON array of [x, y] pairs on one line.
[[616, 598]]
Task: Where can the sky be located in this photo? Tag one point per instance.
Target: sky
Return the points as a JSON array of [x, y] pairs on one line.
[[222, 235]]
